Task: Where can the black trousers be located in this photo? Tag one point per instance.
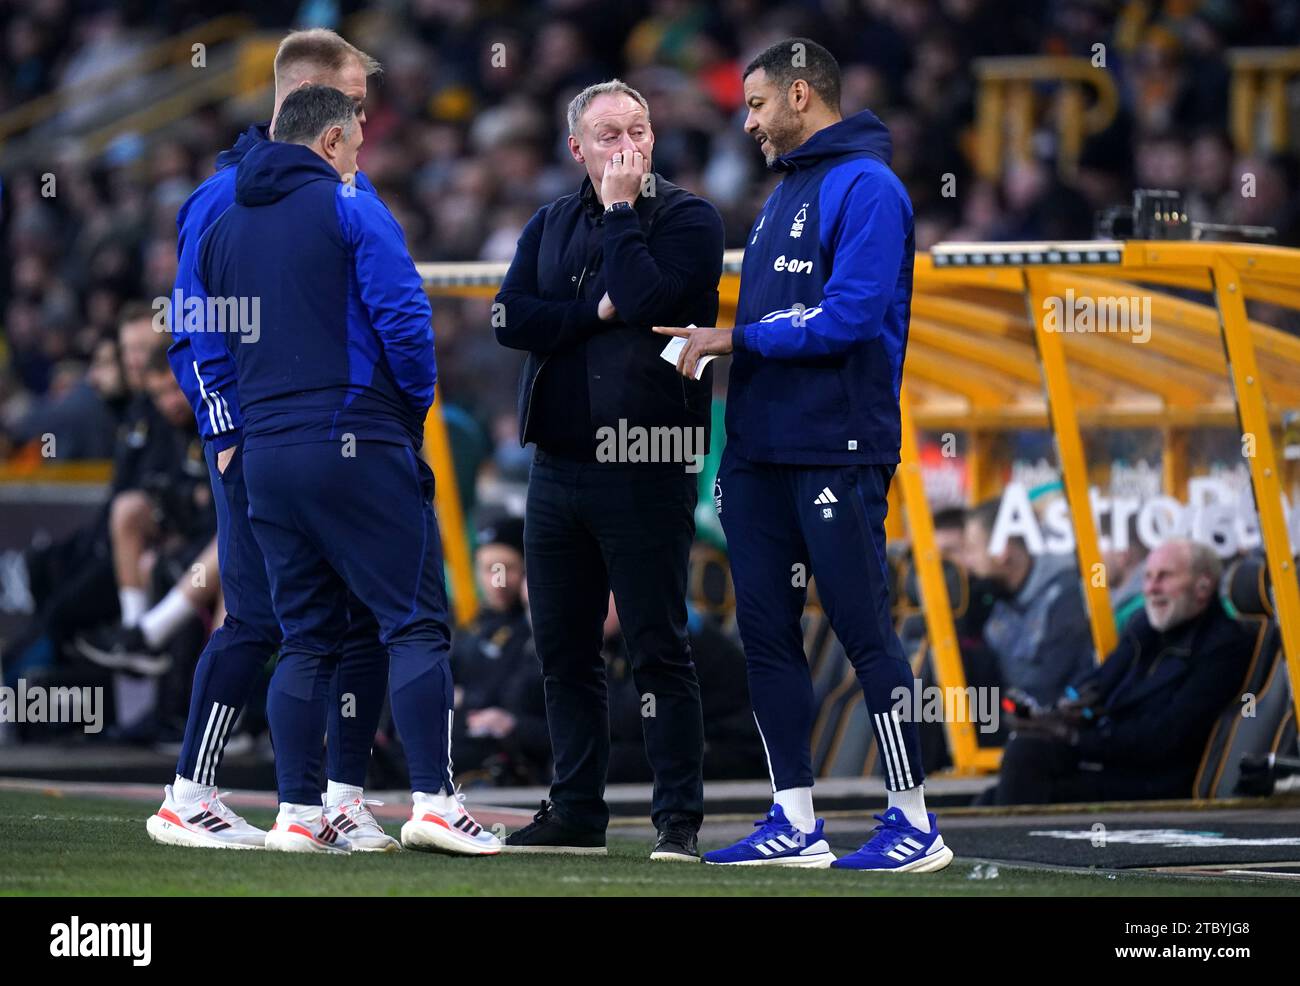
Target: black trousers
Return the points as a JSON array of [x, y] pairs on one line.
[[590, 528], [1038, 771]]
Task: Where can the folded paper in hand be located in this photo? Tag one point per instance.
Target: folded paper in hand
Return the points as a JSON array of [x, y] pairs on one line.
[[673, 351]]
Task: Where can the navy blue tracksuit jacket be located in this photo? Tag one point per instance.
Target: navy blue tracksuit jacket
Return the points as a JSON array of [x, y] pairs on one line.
[[349, 350], [234, 659], [825, 295], [813, 436], [333, 396]]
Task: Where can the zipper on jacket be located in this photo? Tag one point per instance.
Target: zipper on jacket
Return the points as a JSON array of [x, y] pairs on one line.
[[532, 387]]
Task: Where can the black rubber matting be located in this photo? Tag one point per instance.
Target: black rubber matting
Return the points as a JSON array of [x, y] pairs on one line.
[[1186, 841]]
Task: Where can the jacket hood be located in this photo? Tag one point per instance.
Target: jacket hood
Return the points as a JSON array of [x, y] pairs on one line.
[[258, 133], [860, 132], [271, 170]]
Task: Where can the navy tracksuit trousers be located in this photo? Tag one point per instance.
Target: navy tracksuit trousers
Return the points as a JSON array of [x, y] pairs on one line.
[[328, 523], [785, 523], [239, 649]]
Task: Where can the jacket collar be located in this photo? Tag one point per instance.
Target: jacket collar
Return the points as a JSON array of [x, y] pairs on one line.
[[1179, 639], [862, 132], [1162, 657]]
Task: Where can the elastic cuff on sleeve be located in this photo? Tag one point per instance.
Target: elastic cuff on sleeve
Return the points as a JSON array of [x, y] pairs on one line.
[[738, 339], [226, 440]]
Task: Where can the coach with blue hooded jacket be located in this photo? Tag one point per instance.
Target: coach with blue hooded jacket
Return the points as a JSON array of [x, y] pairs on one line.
[[812, 445], [334, 395], [619, 436]]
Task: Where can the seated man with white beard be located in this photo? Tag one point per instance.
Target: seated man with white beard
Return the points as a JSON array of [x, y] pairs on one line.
[[1136, 728]]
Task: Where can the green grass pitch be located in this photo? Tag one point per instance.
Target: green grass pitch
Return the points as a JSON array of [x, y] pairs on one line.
[[70, 846]]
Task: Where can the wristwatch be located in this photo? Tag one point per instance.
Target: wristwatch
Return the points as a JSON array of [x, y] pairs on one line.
[[619, 207]]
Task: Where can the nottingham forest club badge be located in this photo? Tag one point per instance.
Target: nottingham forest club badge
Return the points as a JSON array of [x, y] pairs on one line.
[[801, 217]]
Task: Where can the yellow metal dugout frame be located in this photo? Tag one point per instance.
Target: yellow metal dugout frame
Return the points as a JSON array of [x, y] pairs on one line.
[[982, 360]]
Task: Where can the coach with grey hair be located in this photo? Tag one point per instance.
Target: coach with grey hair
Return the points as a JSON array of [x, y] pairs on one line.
[[592, 273]]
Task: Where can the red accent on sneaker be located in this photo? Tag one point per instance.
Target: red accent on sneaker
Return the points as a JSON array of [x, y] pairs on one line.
[[169, 815], [436, 820]]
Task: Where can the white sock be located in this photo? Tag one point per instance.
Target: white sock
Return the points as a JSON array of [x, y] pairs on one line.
[[797, 804], [337, 794], [132, 602], [912, 804], [162, 621], [186, 790]]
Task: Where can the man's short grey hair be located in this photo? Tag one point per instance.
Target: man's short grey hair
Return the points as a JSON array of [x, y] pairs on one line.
[[1204, 561], [580, 102], [308, 112]]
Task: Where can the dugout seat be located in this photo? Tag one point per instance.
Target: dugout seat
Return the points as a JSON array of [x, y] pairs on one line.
[[709, 587], [1271, 728]]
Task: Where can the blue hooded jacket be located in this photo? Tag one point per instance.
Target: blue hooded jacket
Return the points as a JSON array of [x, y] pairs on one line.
[[201, 361], [825, 297], [344, 338]]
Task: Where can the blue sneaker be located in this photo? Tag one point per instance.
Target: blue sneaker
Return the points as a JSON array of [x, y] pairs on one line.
[[897, 846], [775, 842]]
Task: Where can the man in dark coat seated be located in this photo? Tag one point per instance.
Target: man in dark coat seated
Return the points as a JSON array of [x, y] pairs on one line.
[[1136, 728]]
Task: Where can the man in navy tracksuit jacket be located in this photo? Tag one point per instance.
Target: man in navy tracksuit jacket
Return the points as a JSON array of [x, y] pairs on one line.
[[812, 444], [238, 651], [334, 394]]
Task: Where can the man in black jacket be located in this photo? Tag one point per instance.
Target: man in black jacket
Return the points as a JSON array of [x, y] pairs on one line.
[[1137, 726], [620, 436]]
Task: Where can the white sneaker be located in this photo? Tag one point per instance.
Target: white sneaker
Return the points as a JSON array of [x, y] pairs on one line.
[[440, 823], [354, 820], [304, 828], [204, 823]]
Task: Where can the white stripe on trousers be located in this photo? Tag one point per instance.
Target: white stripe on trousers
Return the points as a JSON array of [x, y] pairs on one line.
[[451, 713], [220, 720], [219, 748], [886, 749], [766, 756], [207, 732], [902, 747], [893, 750]]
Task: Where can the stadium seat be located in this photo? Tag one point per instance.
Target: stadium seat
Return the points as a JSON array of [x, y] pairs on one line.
[[709, 586], [1272, 726]]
